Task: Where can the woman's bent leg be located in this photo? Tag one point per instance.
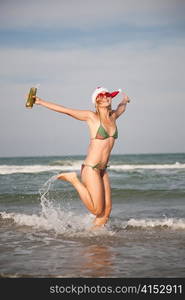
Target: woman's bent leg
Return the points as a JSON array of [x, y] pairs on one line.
[[81, 189], [104, 216], [90, 190]]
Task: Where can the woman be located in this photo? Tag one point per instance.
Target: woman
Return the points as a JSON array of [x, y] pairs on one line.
[[94, 187]]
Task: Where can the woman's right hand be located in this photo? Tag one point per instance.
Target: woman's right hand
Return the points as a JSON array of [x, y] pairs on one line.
[[37, 100]]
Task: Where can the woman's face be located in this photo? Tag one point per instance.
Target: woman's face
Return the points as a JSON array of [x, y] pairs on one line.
[[104, 99]]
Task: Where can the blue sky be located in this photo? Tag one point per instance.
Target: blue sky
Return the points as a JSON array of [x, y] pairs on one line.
[[70, 48]]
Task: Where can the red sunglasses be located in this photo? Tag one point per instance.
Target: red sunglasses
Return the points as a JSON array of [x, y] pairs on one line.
[[107, 94]]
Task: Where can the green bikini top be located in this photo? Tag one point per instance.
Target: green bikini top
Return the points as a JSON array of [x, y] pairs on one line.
[[102, 134]]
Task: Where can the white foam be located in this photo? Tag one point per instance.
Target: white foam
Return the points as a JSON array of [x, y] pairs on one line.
[[60, 222], [149, 166], [172, 223], [75, 166], [69, 224], [11, 169]]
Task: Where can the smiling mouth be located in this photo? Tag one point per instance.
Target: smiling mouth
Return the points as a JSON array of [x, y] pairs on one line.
[[103, 100]]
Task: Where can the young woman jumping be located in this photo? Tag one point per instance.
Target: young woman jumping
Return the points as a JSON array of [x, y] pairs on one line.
[[94, 185]]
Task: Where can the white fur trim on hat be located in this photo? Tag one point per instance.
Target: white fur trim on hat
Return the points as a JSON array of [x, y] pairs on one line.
[[96, 92]]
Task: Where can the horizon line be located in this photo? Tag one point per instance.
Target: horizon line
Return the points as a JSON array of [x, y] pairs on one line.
[[68, 155]]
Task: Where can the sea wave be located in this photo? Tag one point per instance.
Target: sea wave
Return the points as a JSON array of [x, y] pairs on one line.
[[172, 223], [176, 165], [71, 225], [75, 166], [12, 169], [60, 222]]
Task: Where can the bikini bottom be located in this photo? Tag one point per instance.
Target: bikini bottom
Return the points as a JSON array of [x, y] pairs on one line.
[[95, 167]]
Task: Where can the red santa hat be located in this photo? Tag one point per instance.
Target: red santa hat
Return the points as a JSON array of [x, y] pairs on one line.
[[99, 90]]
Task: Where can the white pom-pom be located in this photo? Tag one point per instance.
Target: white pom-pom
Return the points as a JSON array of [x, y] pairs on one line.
[[120, 90]]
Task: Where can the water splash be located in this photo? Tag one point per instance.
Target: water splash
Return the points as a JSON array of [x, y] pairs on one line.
[[46, 204], [55, 215], [63, 221]]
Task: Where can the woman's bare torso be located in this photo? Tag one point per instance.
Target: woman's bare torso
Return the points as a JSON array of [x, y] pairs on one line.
[[99, 150]]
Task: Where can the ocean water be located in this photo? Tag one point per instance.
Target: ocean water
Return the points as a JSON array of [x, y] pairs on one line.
[[45, 231]]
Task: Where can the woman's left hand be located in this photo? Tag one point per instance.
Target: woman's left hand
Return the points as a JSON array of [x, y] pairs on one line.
[[126, 99]]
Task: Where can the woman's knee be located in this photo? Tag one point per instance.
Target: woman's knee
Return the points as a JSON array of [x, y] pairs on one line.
[[105, 212], [99, 209]]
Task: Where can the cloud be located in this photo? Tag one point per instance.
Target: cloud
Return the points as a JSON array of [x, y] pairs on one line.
[[152, 76], [71, 47], [160, 63], [85, 14]]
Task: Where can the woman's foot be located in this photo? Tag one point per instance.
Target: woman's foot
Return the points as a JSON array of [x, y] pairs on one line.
[[70, 177], [100, 221]]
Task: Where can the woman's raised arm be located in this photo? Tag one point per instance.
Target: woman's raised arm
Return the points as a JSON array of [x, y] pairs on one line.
[[121, 106], [78, 114]]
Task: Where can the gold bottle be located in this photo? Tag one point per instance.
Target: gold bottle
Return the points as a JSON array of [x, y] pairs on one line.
[[30, 100]]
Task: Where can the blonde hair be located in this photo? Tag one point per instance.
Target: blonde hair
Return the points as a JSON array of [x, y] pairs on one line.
[[109, 108]]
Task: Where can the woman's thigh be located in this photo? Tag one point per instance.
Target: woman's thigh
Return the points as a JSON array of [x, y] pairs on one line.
[[94, 184]]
